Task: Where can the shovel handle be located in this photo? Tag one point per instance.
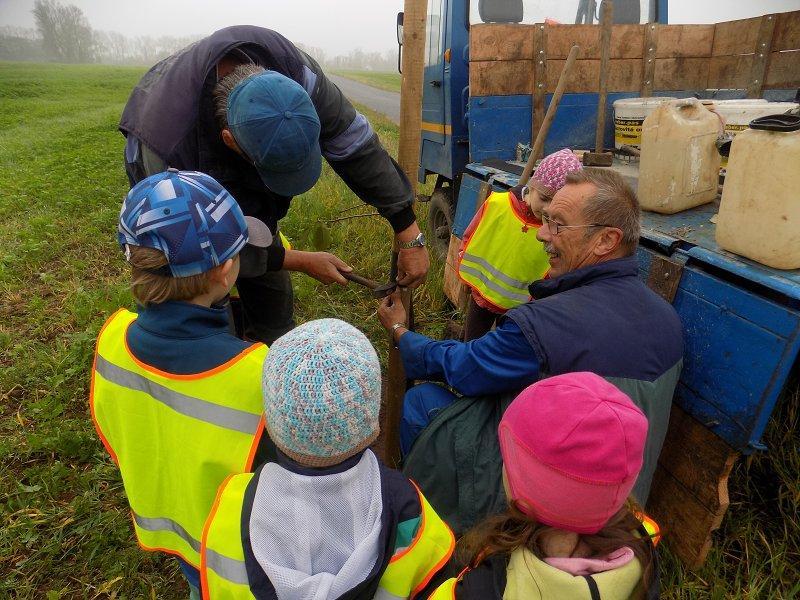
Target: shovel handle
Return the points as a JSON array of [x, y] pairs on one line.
[[538, 145]]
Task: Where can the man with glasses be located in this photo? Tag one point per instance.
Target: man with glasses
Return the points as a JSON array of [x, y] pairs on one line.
[[593, 313]]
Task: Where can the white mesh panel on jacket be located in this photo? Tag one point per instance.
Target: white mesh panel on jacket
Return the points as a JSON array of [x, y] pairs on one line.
[[316, 537]]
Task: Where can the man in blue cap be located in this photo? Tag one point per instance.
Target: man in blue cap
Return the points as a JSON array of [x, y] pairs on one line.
[[250, 109]]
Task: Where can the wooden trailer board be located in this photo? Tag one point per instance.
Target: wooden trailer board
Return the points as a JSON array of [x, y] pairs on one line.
[[514, 68]]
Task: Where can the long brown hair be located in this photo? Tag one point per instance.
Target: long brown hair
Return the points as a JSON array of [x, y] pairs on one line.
[[513, 529]]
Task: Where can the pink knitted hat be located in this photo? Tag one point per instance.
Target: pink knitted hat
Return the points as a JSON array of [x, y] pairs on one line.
[[572, 448], [553, 170]]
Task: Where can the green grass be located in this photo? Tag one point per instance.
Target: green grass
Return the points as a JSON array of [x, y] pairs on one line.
[[65, 528], [389, 81]]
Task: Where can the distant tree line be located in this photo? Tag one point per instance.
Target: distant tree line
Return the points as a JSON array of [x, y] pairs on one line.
[[63, 34], [356, 59]]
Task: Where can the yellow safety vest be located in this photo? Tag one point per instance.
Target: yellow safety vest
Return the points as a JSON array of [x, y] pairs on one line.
[[503, 257], [223, 573], [285, 241], [174, 437]]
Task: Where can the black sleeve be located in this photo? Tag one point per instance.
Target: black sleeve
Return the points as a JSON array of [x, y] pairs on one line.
[[354, 151], [487, 581]]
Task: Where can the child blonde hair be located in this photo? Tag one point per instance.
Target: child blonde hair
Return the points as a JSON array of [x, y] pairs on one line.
[[149, 288]]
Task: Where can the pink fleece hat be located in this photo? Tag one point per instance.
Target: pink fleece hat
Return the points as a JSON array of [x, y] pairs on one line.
[[572, 448], [553, 170]]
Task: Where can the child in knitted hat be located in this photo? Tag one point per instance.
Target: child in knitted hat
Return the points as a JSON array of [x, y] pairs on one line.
[[500, 255], [328, 519], [572, 447]]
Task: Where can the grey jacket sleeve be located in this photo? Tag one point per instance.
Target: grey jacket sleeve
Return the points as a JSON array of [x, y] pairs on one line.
[[354, 151]]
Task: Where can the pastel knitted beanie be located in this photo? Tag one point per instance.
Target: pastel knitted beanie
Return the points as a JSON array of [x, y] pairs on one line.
[[322, 392], [553, 170], [572, 449]]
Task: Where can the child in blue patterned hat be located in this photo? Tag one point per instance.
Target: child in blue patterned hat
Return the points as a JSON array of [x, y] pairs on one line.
[[328, 519], [176, 399]]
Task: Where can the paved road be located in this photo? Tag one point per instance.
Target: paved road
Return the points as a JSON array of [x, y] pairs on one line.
[[387, 103]]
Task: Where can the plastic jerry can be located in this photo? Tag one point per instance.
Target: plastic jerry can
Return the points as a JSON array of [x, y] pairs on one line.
[[759, 215], [679, 164], [737, 114]]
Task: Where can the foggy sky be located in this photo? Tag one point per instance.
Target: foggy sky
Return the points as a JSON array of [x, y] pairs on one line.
[[336, 26]]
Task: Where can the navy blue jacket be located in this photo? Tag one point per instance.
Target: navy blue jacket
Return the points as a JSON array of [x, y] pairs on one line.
[[604, 319], [601, 318]]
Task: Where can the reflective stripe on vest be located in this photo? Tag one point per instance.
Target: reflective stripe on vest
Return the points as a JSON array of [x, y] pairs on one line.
[[408, 571], [503, 256], [166, 432]]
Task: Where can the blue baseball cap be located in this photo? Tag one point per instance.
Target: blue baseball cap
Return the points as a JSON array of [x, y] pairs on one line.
[[275, 124], [187, 215]]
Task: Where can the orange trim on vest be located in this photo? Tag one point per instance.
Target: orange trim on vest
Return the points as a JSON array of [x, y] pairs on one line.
[[435, 568], [164, 550], [420, 529], [204, 537], [262, 425], [190, 376], [534, 223], [91, 390], [417, 537]]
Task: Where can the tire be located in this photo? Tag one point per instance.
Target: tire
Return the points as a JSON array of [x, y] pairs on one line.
[[440, 222]]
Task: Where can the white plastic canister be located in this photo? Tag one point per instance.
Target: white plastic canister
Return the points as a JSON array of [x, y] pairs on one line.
[[679, 164], [738, 113], [629, 114], [759, 215]]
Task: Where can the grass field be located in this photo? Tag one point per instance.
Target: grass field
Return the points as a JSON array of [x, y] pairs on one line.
[[65, 527], [389, 81]]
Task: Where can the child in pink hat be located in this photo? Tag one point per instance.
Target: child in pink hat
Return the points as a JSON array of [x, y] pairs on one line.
[[500, 255], [572, 449]]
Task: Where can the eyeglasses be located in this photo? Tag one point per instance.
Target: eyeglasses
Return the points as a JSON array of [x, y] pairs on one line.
[[555, 227]]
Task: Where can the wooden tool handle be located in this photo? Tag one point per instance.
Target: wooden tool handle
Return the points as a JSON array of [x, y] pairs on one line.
[[538, 145], [606, 21], [367, 283]]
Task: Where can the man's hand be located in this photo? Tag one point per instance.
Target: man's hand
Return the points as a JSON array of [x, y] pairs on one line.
[[412, 263], [392, 311], [322, 266]]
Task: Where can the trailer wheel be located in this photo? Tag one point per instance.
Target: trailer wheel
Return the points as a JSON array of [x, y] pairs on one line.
[[440, 222]]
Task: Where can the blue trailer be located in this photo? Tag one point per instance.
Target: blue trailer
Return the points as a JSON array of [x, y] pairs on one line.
[[490, 70]]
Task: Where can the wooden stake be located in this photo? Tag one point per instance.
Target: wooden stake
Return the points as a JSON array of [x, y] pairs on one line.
[[415, 15], [606, 21]]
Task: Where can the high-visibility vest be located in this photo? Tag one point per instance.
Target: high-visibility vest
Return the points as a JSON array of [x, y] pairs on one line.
[[174, 437], [530, 569], [502, 257], [223, 573]]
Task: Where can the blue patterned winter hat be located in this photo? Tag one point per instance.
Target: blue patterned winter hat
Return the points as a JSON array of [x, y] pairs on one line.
[[187, 215], [322, 392]]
